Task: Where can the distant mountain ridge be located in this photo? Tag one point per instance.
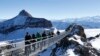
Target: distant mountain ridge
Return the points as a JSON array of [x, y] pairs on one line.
[[86, 22], [23, 20]]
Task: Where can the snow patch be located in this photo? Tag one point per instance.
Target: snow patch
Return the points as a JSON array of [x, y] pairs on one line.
[[70, 52], [96, 43], [78, 39], [4, 43]]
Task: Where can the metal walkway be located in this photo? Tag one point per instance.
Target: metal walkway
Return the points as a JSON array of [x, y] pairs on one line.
[[33, 49]]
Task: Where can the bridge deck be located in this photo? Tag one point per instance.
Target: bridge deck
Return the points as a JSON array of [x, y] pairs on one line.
[[19, 49]]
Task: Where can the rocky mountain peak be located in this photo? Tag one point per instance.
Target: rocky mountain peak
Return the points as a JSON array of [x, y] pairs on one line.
[[75, 43], [25, 13], [78, 30]]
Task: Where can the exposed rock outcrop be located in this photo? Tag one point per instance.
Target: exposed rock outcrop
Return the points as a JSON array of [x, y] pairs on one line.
[[78, 30], [80, 50]]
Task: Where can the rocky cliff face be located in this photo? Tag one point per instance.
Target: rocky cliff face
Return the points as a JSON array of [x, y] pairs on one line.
[[76, 30], [23, 20], [77, 42]]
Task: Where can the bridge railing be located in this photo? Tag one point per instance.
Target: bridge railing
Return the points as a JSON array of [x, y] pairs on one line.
[[33, 48]]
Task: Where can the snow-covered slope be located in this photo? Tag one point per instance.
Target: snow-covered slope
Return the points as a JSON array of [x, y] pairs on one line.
[[92, 32], [86, 22]]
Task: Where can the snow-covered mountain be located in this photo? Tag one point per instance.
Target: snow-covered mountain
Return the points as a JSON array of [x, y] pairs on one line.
[[86, 22], [23, 20]]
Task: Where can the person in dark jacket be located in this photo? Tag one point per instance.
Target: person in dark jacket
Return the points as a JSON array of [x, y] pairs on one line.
[[44, 35], [52, 34], [27, 44], [33, 40], [49, 34], [27, 39], [58, 33]]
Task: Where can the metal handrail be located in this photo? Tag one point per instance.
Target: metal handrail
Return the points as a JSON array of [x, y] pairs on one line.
[[9, 50]]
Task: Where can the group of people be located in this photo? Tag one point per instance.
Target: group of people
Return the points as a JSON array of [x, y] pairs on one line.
[[30, 39]]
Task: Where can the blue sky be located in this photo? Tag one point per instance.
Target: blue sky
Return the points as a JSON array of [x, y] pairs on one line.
[[50, 9]]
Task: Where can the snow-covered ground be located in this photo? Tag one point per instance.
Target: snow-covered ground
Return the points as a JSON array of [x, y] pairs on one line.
[[69, 52], [92, 32], [96, 43]]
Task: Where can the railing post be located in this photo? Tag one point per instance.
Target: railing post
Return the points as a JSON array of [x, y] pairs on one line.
[[48, 41]]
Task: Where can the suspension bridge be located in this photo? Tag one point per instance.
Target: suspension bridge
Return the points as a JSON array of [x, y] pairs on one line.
[[34, 48]]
